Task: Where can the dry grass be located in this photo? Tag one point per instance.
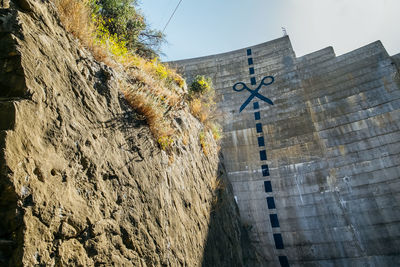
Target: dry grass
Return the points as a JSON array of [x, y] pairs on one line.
[[203, 142], [160, 72], [218, 184], [202, 108], [153, 101], [216, 130], [76, 17], [185, 138], [171, 160], [202, 105], [151, 88], [195, 107], [151, 108]]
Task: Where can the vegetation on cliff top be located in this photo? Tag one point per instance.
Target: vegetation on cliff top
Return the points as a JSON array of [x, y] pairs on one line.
[[121, 18], [202, 105], [117, 35]]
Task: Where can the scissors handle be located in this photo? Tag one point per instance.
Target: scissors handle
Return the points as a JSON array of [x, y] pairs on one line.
[[267, 77], [244, 86]]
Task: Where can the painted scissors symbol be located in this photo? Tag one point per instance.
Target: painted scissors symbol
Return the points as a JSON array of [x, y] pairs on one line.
[[254, 93]]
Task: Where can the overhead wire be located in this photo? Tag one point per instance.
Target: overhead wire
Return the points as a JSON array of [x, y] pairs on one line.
[[173, 13], [165, 14]]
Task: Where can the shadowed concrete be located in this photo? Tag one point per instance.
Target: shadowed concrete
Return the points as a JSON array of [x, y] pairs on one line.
[[332, 144]]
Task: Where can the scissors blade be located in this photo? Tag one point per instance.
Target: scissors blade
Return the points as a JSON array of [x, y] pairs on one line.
[[266, 99], [246, 102]]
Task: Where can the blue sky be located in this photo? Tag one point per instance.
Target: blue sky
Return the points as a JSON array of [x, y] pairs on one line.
[[207, 27]]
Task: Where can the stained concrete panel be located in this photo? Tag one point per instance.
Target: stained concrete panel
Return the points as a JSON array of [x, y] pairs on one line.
[[332, 140]]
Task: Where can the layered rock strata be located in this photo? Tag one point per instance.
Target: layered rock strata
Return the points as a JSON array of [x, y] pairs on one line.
[[82, 182]]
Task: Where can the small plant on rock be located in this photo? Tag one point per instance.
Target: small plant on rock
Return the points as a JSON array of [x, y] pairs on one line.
[[165, 142], [201, 84], [202, 105], [201, 98], [216, 131], [203, 142]]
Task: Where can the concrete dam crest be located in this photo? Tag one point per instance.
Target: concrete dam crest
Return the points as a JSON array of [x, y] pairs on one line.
[[312, 149]]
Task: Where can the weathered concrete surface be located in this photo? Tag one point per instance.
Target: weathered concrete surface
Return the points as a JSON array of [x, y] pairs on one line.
[[333, 143]]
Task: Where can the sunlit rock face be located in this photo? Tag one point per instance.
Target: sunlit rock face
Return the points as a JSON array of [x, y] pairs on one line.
[[82, 181], [316, 174]]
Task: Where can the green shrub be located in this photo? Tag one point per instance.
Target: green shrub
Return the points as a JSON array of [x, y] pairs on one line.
[[165, 142], [201, 99], [216, 131], [112, 42], [125, 23], [201, 85], [203, 142]]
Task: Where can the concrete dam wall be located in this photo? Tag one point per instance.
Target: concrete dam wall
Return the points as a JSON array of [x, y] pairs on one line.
[[312, 149]]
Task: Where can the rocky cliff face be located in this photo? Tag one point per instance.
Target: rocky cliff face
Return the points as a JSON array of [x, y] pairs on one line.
[[82, 181]]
